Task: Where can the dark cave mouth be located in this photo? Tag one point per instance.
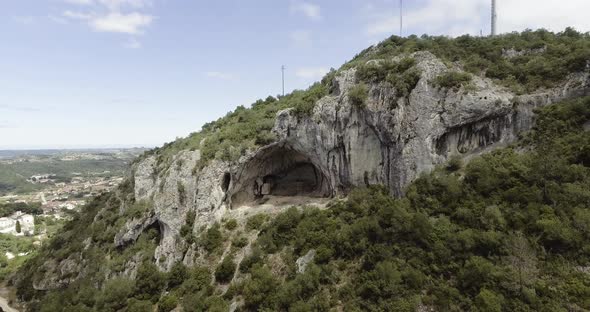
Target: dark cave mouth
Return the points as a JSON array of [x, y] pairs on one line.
[[281, 172]]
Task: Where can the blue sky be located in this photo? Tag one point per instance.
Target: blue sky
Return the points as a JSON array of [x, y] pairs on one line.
[[92, 73]]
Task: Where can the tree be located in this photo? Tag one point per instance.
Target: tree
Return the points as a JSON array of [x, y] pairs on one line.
[[167, 303], [177, 275], [225, 271], [17, 227], [150, 281], [116, 292], [522, 260]]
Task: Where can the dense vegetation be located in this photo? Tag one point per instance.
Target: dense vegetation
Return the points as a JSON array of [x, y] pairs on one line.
[[8, 209], [507, 232], [523, 61]]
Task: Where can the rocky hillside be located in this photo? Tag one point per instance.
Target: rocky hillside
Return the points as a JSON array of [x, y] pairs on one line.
[[398, 110]]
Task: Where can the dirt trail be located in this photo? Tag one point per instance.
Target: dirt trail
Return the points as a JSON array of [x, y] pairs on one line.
[[4, 302]]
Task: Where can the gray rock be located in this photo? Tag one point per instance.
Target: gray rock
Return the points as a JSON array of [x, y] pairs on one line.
[[302, 262]]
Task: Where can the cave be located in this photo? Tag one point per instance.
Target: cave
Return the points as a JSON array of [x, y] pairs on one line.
[[279, 171]]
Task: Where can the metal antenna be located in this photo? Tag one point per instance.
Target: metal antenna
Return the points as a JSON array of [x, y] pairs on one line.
[[494, 18], [283, 71], [401, 17]]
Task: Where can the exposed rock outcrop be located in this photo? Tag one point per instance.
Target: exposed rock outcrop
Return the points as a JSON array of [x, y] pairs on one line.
[[340, 146]]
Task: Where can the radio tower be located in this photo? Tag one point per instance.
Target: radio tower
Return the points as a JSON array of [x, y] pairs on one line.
[[494, 18], [401, 18]]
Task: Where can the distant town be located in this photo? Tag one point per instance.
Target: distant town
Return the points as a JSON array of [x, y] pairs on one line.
[[40, 190]]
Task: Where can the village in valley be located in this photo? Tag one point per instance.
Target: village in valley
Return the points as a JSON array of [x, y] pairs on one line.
[[40, 190]]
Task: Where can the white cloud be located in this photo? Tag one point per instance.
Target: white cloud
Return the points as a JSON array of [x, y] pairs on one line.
[[311, 73], [518, 15], [301, 38], [132, 44], [108, 16], [310, 10], [220, 75], [77, 15], [450, 17], [457, 17], [132, 23]]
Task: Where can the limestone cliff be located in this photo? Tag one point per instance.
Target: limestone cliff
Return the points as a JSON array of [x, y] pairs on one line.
[[388, 141]]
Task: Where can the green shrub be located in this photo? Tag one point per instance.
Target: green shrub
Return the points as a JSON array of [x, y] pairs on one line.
[[358, 95], [167, 303], [255, 222], [225, 271], [212, 239], [181, 192], [249, 261], [134, 305], [453, 80], [488, 301], [149, 282], [231, 224], [177, 275], [115, 293], [240, 241]]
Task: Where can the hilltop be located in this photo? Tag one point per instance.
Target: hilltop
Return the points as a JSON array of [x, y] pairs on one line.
[[428, 173]]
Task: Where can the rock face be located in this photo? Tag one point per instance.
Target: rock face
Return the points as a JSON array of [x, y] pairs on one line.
[[390, 141]]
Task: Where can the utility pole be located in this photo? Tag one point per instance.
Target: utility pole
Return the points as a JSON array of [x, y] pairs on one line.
[[401, 18], [494, 18], [283, 71]]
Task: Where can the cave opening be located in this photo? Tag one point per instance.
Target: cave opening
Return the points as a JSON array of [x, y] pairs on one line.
[[279, 171], [226, 181]]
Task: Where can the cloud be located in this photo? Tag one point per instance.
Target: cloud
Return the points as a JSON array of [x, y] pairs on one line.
[[220, 75], [113, 20], [310, 10], [301, 38], [77, 15], [450, 17], [132, 23], [311, 73], [457, 17], [516, 15]]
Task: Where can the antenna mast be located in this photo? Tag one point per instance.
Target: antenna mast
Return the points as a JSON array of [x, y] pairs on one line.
[[283, 72], [494, 18], [401, 18]]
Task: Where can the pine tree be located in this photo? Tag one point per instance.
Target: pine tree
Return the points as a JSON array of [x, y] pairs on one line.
[[18, 229]]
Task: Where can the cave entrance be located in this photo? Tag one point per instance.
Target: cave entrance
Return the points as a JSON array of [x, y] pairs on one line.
[[280, 171]]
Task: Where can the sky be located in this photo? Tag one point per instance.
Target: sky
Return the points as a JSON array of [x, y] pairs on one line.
[[114, 73]]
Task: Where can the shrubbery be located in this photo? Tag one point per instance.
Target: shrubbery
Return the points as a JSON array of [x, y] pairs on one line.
[[225, 271], [453, 80], [358, 95]]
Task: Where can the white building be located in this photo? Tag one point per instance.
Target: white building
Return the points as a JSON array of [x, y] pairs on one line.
[[27, 224]]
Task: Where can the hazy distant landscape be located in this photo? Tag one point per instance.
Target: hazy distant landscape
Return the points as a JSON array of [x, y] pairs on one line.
[[18, 166]]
